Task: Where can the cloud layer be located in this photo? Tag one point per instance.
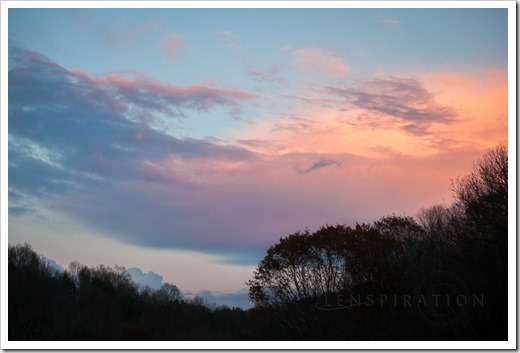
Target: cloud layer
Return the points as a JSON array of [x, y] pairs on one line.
[[106, 150], [92, 141]]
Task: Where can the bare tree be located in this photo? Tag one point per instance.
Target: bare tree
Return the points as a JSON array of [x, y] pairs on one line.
[[482, 194]]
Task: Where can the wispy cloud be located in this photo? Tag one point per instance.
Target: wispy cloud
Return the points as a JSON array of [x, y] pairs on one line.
[[124, 32], [163, 97], [316, 59], [401, 98], [172, 46], [391, 22], [230, 38], [450, 79], [270, 77], [295, 124], [386, 20]]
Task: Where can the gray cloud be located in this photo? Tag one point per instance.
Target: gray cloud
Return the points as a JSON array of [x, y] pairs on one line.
[[65, 128], [401, 98], [73, 148], [150, 279], [53, 266], [238, 299], [296, 124], [319, 164], [270, 77]]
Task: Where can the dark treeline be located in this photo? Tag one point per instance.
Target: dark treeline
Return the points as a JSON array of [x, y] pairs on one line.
[[442, 276], [103, 303]]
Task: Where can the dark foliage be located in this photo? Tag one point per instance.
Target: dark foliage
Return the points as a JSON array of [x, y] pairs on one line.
[[444, 278], [102, 303]]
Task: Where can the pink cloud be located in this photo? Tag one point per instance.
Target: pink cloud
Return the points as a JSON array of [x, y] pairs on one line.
[[416, 117], [125, 32], [198, 96], [172, 45], [320, 60], [163, 88], [272, 76]]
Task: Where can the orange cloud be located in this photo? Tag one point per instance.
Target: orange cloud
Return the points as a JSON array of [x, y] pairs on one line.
[[389, 146], [449, 79], [482, 104]]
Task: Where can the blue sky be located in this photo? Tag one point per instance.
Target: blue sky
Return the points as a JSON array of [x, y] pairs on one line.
[[187, 141], [383, 36]]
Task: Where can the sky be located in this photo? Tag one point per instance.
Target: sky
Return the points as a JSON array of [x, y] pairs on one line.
[[185, 142]]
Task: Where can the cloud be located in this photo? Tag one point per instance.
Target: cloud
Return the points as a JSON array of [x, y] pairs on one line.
[[416, 129], [150, 279], [103, 117], [386, 20], [53, 266], [296, 124], [172, 46], [231, 39], [88, 148], [315, 59], [450, 79], [319, 164], [21, 211], [73, 144], [270, 77], [124, 31], [239, 299], [390, 21], [400, 98], [163, 97]]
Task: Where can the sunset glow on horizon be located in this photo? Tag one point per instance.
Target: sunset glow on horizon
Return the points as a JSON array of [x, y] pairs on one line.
[[188, 141]]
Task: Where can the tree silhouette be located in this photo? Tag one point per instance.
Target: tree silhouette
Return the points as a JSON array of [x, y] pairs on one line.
[[305, 268], [479, 228]]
